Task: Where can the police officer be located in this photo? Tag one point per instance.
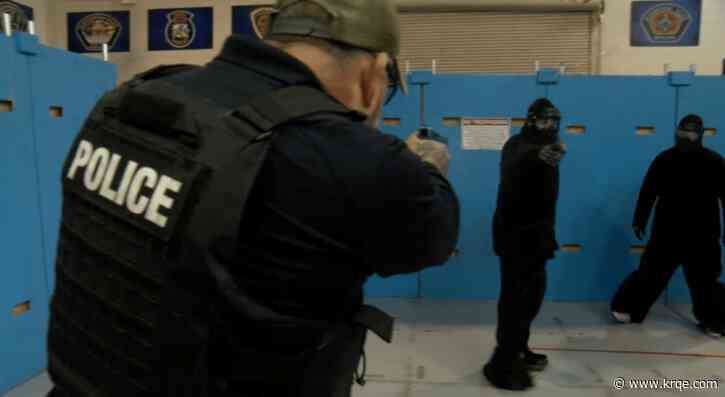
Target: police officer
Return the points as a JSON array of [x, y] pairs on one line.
[[149, 302], [524, 239], [688, 183]]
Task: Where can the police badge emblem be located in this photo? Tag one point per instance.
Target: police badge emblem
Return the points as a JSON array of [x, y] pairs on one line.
[[666, 23], [180, 28], [260, 20], [18, 18], [95, 30]]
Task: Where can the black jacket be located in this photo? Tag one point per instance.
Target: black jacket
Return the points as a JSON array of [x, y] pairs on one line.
[[689, 188], [524, 222], [336, 201]]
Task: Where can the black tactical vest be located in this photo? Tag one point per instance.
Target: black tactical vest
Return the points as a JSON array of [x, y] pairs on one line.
[[154, 189]]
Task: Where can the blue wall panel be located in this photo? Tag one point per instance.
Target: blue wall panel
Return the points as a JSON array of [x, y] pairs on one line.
[[84, 81], [22, 352], [705, 97]]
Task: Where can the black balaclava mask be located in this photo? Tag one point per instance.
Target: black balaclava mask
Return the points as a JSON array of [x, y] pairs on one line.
[[688, 136], [543, 119]]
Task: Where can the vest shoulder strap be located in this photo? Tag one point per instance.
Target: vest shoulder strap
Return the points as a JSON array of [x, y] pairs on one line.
[[163, 71], [291, 103]]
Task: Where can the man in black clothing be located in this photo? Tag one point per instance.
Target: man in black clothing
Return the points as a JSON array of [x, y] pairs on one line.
[[335, 202], [688, 183], [524, 239]]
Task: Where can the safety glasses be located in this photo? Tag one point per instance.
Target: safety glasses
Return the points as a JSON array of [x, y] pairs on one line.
[[548, 124], [689, 135], [396, 80], [393, 79]]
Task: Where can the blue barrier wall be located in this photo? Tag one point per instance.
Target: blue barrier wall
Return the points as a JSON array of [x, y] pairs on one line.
[[601, 175], [23, 275], [34, 78]]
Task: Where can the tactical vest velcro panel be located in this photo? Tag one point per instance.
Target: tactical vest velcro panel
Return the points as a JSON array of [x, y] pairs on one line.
[[147, 207], [126, 191]]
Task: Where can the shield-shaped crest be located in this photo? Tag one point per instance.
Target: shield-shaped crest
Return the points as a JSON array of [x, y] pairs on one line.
[[666, 23], [97, 29], [18, 18], [180, 28], [260, 20]]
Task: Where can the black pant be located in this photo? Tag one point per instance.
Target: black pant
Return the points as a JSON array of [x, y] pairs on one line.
[[523, 285], [327, 373], [702, 266]]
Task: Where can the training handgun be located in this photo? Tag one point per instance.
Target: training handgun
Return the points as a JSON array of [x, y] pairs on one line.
[[428, 133]]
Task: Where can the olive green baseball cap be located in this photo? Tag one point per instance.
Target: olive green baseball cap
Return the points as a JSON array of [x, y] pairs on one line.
[[371, 25]]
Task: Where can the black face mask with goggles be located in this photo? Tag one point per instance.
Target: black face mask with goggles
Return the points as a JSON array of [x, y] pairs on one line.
[[688, 139], [551, 120], [689, 134]]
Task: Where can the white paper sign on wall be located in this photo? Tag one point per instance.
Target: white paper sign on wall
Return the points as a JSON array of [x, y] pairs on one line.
[[485, 133]]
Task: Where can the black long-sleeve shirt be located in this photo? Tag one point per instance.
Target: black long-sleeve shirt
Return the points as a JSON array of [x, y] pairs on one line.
[[335, 202], [524, 223], [688, 188]]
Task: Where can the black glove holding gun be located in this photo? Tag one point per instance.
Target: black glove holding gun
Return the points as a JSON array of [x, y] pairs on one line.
[[545, 119], [553, 153]]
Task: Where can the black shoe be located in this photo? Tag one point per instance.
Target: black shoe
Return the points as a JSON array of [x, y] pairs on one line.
[[714, 330], [621, 317], [515, 378], [535, 362]]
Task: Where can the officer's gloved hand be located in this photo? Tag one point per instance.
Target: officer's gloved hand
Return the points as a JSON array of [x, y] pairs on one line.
[[639, 233], [552, 154], [430, 151]]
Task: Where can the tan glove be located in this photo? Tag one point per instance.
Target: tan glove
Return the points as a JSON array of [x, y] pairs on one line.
[[430, 151]]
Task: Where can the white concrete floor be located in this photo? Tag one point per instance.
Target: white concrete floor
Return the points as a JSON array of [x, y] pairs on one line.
[[440, 346]]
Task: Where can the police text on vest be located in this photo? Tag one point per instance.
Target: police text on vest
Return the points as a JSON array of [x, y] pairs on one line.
[[101, 167]]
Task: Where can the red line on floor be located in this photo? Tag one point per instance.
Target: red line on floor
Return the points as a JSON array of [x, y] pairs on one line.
[[556, 349]]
